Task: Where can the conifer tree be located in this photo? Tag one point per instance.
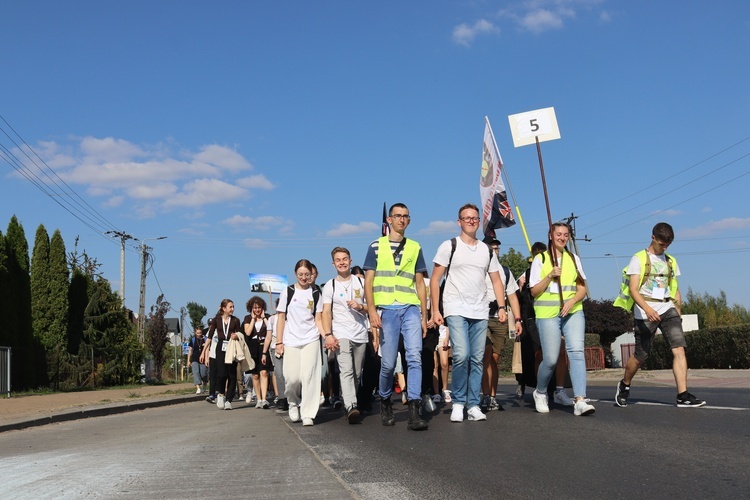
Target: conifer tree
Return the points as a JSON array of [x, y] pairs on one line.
[[41, 315], [18, 319]]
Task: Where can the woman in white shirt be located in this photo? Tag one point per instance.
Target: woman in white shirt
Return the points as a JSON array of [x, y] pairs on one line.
[[298, 332]]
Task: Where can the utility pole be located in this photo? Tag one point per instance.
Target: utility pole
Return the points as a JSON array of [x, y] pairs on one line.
[[142, 301], [123, 238]]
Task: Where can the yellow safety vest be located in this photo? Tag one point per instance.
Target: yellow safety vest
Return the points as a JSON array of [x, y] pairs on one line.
[[624, 300], [393, 285], [547, 304]]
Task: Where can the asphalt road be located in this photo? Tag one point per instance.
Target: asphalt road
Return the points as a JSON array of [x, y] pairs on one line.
[[650, 450]]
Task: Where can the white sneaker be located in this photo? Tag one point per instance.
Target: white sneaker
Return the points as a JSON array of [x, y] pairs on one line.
[[197, 390], [249, 398], [227, 405], [294, 413], [220, 400], [475, 414], [447, 396], [583, 408], [307, 422], [457, 413], [562, 398], [540, 401]]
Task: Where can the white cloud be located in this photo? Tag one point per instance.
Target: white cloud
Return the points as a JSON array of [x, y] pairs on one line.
[[152, 191], [162, 173], [714, 227], [464, 34], [110, 149], [256, 243], [440, 227], [113, 202], [538, 16], [205, 191], [255, 181], [351, 229], [222, 157], [262, 223]]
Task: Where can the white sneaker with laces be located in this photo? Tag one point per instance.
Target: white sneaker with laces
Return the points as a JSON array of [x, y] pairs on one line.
[[583, 408], [227, 405], [220, 400], [475, 414], [447, 396], [562, 398], [457, 413], [307, 422], [294, 413], [540, 402], [249, 398]]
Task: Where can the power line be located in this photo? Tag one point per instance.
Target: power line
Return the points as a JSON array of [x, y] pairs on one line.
[[57, 189], [662, 194], [668, 177], [675, 205]]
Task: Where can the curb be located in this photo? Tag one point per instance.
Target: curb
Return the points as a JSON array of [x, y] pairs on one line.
[[115, 409]]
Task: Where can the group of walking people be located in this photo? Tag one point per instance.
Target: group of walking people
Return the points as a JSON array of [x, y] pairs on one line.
[[394, 310]]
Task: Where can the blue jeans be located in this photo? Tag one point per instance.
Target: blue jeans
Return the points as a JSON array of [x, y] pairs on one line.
[[200, 373], [405, 322], [468, 337], [573, 326]]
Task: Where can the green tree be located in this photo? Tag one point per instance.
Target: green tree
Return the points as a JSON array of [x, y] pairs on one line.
[[156, 333], [196, 312], [18, 301], [607, 321], [515, 261], [713, 311], [55, 339], [41, 313], [110, 337], [84, 272]]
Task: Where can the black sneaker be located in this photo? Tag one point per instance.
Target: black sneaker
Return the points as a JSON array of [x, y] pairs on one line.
[[687, 400], [484, 404], [211, 400], [622, 394]]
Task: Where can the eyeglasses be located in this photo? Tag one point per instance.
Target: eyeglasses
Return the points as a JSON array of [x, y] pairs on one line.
[[469, 219], [401, 216]]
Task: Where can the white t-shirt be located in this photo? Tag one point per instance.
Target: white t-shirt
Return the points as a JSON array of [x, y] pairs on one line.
[[212, 347], [653, 286], [347, 323], [510, 288], [465, 290], [299, 326]]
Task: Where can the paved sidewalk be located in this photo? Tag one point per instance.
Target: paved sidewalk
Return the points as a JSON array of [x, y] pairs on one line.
[[30, 411]]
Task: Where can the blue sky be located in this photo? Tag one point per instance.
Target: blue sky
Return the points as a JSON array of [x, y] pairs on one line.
[[253, 134]]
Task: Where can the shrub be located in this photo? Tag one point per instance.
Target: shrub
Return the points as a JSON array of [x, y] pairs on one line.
[[719, 347]]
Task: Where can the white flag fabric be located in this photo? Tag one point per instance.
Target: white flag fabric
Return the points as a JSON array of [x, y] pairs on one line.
[[496, 212]]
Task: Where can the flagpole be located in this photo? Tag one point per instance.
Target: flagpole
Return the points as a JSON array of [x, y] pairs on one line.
[[507, 179]]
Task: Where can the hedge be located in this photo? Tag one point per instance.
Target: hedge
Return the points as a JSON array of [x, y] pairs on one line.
[[719, 347]]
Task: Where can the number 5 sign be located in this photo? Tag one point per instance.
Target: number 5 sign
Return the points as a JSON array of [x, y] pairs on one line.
[[526, 127]]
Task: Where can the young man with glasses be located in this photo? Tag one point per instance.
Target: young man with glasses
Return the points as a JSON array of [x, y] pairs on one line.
[[465, 261], [654, 290], [397, 304]]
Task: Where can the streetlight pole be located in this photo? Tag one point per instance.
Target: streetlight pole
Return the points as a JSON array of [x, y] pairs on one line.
[[142, 301], [617, 264]]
